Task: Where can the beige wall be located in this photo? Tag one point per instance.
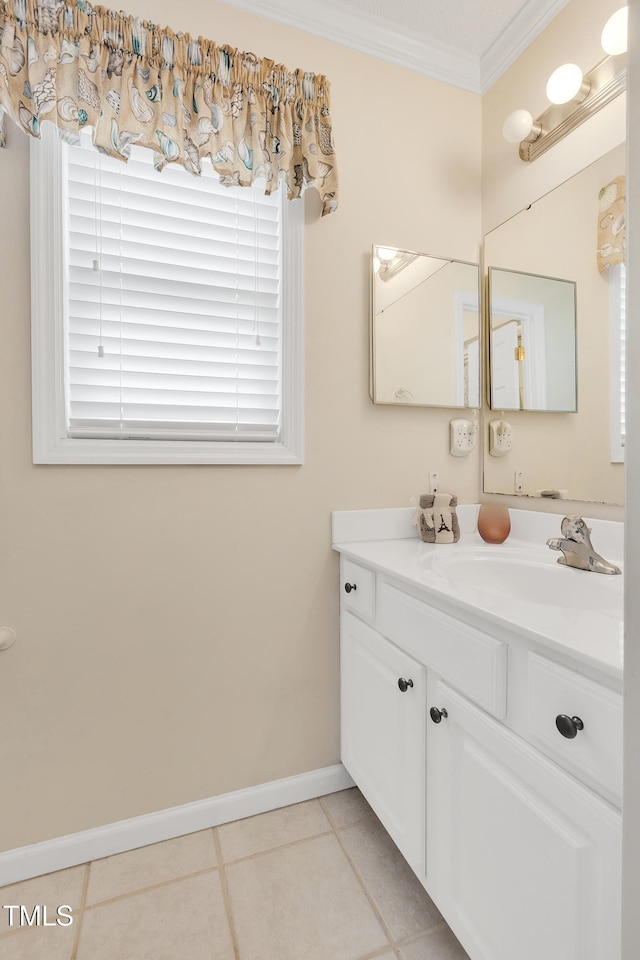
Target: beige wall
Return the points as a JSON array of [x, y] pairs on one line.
[[509, 185], [177, 626]]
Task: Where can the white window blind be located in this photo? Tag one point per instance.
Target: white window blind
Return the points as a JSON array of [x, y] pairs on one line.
[[618, 330], [173, 306]]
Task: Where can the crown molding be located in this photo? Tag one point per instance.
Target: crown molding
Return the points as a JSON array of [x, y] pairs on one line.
[[373, 36], [516, 37], [383, 39]]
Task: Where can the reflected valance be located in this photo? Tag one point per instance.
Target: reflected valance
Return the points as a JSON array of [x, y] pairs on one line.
[[612, 224], [187, 99]]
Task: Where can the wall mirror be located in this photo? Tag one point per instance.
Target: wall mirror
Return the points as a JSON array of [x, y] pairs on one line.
[[532, 342], [571, 453], [425, 330]]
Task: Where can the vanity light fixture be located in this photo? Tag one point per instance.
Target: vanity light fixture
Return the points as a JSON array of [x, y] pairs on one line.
[[389, 261], [383, 260], [614, 34], [567, 83], [520, 125], [574, 98]]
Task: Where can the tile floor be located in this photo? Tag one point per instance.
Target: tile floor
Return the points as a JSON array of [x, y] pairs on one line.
[[319, 880]]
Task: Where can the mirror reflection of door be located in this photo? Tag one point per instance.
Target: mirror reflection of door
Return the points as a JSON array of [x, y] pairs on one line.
[[525, 360], [472, 372], [505, 375], [532, 342]]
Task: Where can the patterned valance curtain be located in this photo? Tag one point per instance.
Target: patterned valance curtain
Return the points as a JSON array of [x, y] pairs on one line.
[[611, 224], [75, 64]]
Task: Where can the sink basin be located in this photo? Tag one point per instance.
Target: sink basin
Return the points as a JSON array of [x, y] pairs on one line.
[[512, 575]]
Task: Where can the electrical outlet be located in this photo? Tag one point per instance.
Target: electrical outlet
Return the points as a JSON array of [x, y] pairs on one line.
[[518, 481], [500, 437], [434, 482], [463, 438]]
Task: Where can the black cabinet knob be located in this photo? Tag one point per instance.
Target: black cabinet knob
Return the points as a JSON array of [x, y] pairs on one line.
[[568, 726], [404, 684], [438, 715], [349, 587]]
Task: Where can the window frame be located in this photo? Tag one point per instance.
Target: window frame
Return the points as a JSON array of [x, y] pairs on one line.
[[617, 282], [51, 444]]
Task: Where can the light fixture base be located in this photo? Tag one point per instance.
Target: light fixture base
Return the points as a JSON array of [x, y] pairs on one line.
[[606, 81], [536, 131]]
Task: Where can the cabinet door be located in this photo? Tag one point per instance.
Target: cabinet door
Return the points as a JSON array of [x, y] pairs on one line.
[[383, 732], [527, 859]]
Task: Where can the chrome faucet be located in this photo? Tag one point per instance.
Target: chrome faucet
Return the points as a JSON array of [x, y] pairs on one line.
[[575, 544]]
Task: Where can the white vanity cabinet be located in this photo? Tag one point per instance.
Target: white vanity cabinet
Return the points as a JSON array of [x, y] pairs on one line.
[[513, 828], [527, 858], [383, 698]]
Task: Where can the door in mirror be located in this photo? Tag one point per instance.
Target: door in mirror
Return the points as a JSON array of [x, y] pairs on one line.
[[532, 347]]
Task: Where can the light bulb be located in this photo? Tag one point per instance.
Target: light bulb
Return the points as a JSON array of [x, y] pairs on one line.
[[517, 126], [386, 253], [565, 83], [614, 35]]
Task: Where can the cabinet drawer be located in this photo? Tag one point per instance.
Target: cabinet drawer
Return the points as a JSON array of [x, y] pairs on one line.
[[472, 661], [596, 749], [358, 589]]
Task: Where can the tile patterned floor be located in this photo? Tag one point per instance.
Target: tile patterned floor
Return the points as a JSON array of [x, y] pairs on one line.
[[319, 880]]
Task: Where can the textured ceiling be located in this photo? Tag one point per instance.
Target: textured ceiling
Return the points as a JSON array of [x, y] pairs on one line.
[[469, 26]]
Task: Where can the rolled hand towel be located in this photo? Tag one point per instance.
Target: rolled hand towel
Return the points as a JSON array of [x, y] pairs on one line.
[[423, 520], [436, 519], [443, 518]]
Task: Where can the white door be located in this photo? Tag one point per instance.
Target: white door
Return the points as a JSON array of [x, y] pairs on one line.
[[383, 732], [527, 860], [505, 377], [473, 373]]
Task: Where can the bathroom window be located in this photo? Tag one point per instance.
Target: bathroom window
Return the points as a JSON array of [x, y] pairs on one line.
[[166, 313], [618, 328]]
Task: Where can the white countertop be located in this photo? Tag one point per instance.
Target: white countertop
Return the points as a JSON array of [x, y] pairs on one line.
[[591, 633]]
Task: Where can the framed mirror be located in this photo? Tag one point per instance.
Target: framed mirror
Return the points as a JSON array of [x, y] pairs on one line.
[[574, 454], [532, 342], [425, 330]]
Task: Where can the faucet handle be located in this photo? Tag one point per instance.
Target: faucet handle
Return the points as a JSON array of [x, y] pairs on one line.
[[575, 528]]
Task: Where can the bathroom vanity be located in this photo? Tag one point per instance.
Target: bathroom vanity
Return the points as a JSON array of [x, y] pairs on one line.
[[482, 720]]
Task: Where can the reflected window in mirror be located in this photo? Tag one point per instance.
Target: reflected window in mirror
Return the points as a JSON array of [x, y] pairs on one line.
[[618, 326], [425, 330]]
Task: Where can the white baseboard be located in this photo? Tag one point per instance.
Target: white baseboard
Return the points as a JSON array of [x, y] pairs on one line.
[[36, 859]]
